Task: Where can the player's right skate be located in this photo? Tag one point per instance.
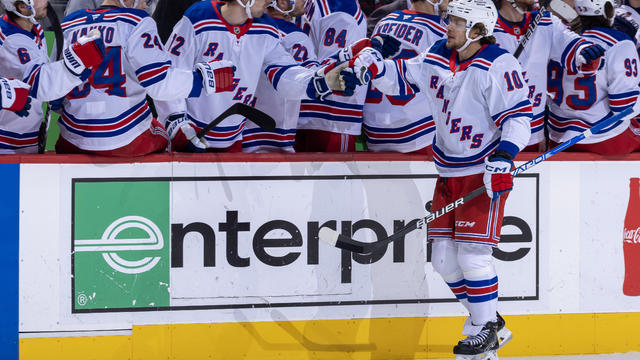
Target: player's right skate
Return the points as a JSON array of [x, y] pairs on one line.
[[482, 346]]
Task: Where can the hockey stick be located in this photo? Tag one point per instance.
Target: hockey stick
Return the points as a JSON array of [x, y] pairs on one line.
[[527, 36], [57, 30], [254, 115], [333, 238]]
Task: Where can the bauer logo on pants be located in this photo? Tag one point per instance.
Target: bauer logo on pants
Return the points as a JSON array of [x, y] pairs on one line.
[[121, 252]]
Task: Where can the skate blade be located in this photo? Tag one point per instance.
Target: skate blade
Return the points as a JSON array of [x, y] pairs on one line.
[[504, 336], [488, 355]]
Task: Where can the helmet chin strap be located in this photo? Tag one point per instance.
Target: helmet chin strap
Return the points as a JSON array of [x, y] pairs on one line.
[[31, 17], [515, 6], [436, 6], [247, 7], [469, 41]]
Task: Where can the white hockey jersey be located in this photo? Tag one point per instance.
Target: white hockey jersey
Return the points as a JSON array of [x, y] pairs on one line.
[[550, 40], [403, 123], [284, 111], [110, 109], [253, 47], [23, 56], [580, 101], [471, 101], [334, 25]]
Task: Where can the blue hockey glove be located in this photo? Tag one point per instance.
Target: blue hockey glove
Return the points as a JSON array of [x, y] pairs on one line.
[[387, 45]]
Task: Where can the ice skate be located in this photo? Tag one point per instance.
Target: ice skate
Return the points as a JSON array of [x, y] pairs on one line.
[[504, 334], [482, 346]]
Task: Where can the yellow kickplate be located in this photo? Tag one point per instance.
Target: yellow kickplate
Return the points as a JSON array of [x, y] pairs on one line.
[[356, 339]]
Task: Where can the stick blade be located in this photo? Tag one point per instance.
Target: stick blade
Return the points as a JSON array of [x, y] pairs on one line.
[[257, 117], [340, 241]]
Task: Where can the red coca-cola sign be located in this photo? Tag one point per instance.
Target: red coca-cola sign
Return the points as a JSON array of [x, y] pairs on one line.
[[631, 241]]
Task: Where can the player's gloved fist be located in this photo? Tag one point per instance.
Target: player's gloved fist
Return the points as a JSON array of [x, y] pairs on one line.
[[217, 76], [183, 136], [589, 57], [326, 80], [368, 65], [15, 96], [387, 45], [497, 174], [354, 49], [87, 52]]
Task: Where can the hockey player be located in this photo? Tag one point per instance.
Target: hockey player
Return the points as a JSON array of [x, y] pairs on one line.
[[23, 55], [108, 114], [580, 101], [404, 123], [333, 124], [236, 30], [551, 40], [482, 115], [284, 111]]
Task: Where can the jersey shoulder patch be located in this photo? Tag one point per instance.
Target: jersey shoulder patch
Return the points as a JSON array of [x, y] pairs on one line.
[[607, 35], [132, 17], [327, 7], [286, 27], [200, 11]]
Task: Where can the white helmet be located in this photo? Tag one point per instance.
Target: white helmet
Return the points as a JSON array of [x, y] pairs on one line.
[[274, 4], [474, 12], [10, 5], [595, 8]]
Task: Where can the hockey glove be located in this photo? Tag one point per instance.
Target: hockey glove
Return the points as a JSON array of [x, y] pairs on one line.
[[368, 65], [182, 134], [15, 96], [497, 174], [217, 76], [387, 45], [330, 79], [589, 57], [87, 52]]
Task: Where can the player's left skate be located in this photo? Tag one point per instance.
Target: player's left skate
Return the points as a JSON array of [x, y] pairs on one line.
[[481, 346]]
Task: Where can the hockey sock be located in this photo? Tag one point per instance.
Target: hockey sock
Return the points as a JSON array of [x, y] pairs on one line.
[[481, 281], [482, 292]]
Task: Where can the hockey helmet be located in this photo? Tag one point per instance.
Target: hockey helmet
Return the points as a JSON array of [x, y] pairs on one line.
[[595, 8], [474, 12], [274, 4], [10, 5]]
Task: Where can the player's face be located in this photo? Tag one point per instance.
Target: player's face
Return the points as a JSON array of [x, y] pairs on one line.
[[525, 4], [456, 32], [298, 8], [40, 9], [258, 8]]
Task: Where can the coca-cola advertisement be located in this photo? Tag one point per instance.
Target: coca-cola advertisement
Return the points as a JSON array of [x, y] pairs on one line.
[[631, 241]]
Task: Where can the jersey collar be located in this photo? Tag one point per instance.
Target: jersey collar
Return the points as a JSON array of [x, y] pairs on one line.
[[454, 66], [237, 30], [516, 30], [33, 34]]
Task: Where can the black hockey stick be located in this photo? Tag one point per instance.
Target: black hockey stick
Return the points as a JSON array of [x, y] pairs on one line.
[[254, 115], [338, 240], [527, 36], [57, 31]]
